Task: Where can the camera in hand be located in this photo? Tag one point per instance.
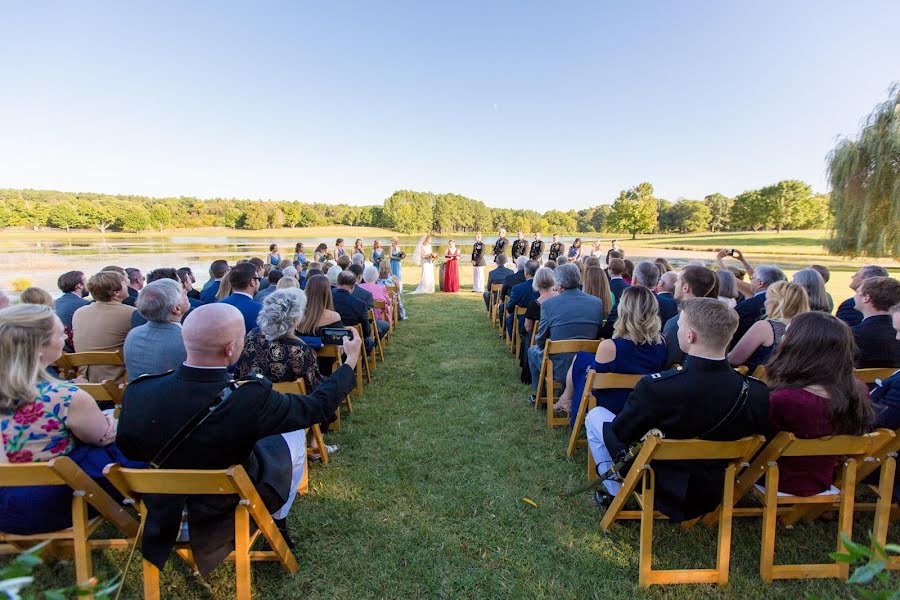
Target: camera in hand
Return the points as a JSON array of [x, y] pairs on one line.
[[729, 251], [334, 336]]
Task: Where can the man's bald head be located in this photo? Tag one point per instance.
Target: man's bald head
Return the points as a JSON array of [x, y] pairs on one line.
[[213, 335], [667, 281]]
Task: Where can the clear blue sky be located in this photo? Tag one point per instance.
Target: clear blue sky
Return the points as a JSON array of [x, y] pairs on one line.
[[519, 104]]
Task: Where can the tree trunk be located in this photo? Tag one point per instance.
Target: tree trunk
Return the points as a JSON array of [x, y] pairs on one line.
[[634, 235]]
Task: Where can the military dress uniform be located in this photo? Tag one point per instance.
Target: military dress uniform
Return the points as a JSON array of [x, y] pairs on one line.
[[518, 248], [499, 247], [537, 250], [556, 249], [478, 267], [244, 429], [684, 404]]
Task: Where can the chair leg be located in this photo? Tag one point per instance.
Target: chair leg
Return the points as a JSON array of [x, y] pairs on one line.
[[845, 516], [883, 506], [723, 546], [151, 581], [303, 486], [81, 547], [320, 442], [646, 549], [770, 518], [576, 429], [242, 551]]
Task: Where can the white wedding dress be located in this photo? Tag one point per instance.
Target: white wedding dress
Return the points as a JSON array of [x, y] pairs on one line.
[[426, 286]]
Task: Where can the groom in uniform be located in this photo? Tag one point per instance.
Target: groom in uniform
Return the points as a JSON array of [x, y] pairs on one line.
[[537, 248], [556, 248], [519, 246], [478, 264], [501, 244]]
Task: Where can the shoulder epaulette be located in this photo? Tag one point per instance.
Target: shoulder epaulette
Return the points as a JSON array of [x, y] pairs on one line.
[[257, 378], [147, 376], [666, 374]]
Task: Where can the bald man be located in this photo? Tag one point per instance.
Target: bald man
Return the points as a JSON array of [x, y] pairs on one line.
[[246, 423]]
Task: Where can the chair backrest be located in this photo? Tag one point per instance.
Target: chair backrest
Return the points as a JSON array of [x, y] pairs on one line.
[[519, 311], [392, 289], [610, 381], [743, 449], [760, 373], [870, 375], [564, 346], [134, 483], [837, 445], [496, 288], [25, 474], [380, 304], [106, 391], [298, 386], [90, 359]]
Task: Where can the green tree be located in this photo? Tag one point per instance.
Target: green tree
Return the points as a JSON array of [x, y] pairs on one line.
[[63, 215], [719, 208], [160, 216], [865, 181], [665, 216], [783, 201], [749, 211], [134, 218], [255, 216], [635, 210], [690, 216]]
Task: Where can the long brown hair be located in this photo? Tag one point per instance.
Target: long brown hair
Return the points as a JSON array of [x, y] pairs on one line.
[[818, 349], [596, 284], [318, 300]]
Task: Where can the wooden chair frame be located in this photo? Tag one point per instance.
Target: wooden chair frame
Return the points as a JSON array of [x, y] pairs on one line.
[[494, 302], [106, 391], [545, 381], [85, 493], [379, 348], [385, 310], [596, 381], [641, 471], [298, 386], [133, 483], [69, 363], [334, 352], [519, 311], [365, 366], [869, 376]]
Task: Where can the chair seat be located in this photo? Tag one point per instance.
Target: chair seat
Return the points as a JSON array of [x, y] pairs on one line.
[[831, 491]]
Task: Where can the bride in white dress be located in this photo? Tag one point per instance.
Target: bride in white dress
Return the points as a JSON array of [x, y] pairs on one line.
[[425, 257]]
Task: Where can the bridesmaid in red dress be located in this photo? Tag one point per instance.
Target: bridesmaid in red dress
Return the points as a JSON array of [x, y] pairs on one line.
[[451, 269]]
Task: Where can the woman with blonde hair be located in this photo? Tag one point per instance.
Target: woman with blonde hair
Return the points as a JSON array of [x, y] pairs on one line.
[[784, 301], [43, 418], [35, 295], [596, 284], [287, 283], [637, 347], [386, 277]]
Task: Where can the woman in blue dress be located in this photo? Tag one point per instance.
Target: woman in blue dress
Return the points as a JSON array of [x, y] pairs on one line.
[[299, 254], [274, 256], [574, 252], [635, 348], [396, 257], [377, 253]]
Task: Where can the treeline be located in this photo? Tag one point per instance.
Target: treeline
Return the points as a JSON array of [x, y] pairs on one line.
[[785, 205]]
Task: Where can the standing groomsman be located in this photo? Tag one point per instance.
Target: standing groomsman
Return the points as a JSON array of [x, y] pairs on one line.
[[519, 246], [537, 248], [478, 264], [556, 248], [501, 244]]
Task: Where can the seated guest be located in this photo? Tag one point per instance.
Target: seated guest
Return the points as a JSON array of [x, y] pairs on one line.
[[728, 292], [379, 292], [617, 283], [188, 284], [353, 311], [189, 274], [497, 276], [875, 335], [826, 275], [343, 262], [73, 286], [360, 292], [692, 282], [273, 277], [513, 280], [814, 285], [646, 275], [663, 266], [319, 313], [137, 319], [886, 396], [156, 346], [35, 295], [752, 309], [521, 296], [635, 348], [244, 284], [136, 282], [784, 301], [387, 278], [666, 285], [570, 315], [628, 275], [254, 426], [707, 398], [333, 273], [545, 287], [847, 312], [286, 283], [260, 272], [217, 272], [43, 418], [596, 284], [814, 394], [103, 325]]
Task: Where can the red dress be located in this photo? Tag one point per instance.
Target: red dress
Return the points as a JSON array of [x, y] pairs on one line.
[[451, 271]]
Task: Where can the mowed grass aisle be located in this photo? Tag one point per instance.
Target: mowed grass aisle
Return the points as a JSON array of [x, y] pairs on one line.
[[424, 498]]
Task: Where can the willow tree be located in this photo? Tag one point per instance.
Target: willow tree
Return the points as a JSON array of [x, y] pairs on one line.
[[865, 182]]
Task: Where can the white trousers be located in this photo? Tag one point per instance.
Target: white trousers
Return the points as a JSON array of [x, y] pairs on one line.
[[296, 442], [478, 279], [594, 425]]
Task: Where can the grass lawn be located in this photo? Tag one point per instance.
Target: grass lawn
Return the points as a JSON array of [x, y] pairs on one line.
[[424, 498]]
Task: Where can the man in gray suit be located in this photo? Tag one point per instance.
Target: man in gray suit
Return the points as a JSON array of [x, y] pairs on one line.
[[157, 346], [570, 315], [72, 285]]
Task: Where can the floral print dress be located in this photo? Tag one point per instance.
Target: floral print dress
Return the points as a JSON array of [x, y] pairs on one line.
[[36, 431]]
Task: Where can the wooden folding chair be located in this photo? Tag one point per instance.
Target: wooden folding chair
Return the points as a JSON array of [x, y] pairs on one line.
[[545, 381], [366, 365], [298, 386], [853, 448], [85, 493], [517, 341], [107, 391], [334, 352], [534, 330], [760, 373], [657, 449], [494, 302], [869, 376], [134, 483], [385, 310], [69, 364], [379, 348], [596, 381]]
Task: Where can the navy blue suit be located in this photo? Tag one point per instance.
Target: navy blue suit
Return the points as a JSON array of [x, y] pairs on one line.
[[847, 313], [749, 312], [208, 295], [877, 342], [353, 311], [520, 295], [668, 307], [248, 306], [617, 286]]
